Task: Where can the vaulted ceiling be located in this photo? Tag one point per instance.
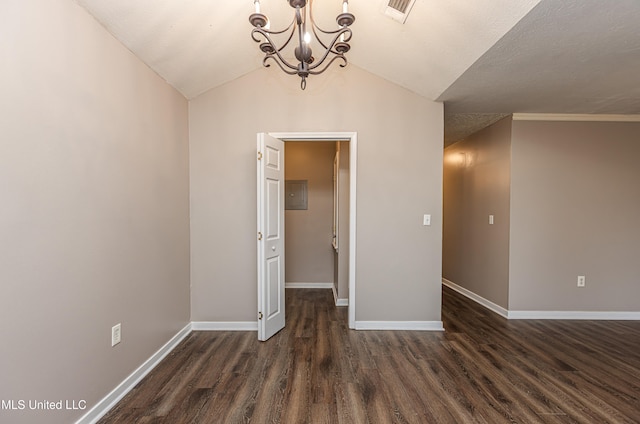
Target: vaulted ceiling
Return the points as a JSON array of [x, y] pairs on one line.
[[484, 59]]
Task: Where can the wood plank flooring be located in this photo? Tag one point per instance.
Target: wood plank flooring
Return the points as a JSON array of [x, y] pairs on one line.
[[483, 369]]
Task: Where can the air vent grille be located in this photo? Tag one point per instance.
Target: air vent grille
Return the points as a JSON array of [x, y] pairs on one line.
[[398, 10], [400, 5]]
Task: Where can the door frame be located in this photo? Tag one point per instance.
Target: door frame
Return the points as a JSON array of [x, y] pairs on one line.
[[352, 138]]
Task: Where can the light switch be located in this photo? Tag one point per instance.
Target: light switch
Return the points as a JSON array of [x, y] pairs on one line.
[[490, 219], [426, 220]]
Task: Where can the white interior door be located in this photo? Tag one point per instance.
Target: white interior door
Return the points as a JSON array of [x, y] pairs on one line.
[[270, 236]]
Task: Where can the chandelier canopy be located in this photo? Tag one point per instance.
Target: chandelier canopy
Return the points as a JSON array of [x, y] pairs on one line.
[[308, 64]]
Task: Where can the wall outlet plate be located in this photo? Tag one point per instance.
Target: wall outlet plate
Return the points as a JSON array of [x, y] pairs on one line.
[[116, 334], [582, 281]]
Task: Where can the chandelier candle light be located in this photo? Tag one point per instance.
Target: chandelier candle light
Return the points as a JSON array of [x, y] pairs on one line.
[[307, 63]]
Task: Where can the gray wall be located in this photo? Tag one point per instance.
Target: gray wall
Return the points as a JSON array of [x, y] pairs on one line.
[[399, 178], [94, 211], [308, 233], [342, 257], [570, 198], [476, 185], [575, 206]]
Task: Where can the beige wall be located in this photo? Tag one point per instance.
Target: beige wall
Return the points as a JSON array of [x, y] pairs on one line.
[[94, 210], [574, 211], [574, 201], [308, 233], [399, 178], [476, 185], [341, 281]]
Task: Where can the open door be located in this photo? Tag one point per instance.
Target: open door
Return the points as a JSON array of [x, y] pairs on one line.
[[270, 236]]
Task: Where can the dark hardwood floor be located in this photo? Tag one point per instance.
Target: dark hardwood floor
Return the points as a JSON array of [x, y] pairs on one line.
[[483, 369]]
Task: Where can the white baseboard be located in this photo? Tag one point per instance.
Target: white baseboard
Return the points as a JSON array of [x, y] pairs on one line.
[[576, 315], [559, 315], [400, 325], [338, 302], [477, 298], [109, 401], [308, 285], [224, 326]]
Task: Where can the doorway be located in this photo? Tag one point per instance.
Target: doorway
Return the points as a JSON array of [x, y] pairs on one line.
[[350, 140], [317, 216]]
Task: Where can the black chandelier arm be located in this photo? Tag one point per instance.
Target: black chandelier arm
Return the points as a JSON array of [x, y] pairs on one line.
[[269, 46], [333, 59], [329, 50], [272, 57], [258, 30], [293, 31], [313, 28], [275, 54], [279, 56], [338, 32], [313, 21], [282, 31], [324, 31], [347, 34], [266, 34], [333, 31], [316, 27]]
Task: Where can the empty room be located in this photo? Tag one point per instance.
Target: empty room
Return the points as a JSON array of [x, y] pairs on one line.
[[466, 252]]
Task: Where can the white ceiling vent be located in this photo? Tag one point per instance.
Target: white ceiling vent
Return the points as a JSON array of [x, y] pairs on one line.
[[398, 10]]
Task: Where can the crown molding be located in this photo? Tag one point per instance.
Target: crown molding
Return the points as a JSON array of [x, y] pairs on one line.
[[570, 117]]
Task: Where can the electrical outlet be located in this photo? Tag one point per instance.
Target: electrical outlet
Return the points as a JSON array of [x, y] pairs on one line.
[[582, 281], [116, 334]]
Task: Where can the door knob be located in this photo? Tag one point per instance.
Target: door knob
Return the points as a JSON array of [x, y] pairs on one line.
[[273, 248]]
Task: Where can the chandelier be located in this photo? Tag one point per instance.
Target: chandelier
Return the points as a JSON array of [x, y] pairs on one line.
[[332, 50]]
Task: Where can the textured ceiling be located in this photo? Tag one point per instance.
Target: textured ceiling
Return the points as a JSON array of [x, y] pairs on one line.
[[565, 56], [484, 59], [461, 125]]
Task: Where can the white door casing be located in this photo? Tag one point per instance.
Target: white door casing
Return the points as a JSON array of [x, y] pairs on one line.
[[271, 293], [352, 137]]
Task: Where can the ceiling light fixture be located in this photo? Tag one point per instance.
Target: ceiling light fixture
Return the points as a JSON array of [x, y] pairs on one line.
[[307, 63]]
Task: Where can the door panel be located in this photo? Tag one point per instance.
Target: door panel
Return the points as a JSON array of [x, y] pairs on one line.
[[272, 231], [271, 312], [274, 271]]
